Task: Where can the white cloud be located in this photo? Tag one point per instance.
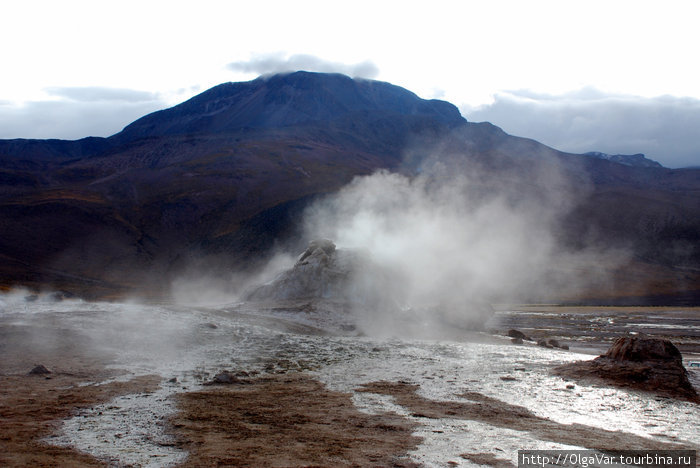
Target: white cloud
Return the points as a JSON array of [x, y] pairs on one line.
[[78, 112], [664, 128], [278, 62], [98, 93]]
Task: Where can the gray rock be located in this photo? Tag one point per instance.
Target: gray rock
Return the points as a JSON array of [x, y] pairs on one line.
[[324, 272], [223, 378], [353, 279]]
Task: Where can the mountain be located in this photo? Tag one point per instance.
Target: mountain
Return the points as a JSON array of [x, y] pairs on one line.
[[225, 176], [286, 100], [639, 159]]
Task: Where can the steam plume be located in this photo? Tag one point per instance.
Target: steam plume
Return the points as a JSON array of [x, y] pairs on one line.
[[455, 237]]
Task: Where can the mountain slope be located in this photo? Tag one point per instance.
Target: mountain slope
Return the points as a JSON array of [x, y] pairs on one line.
[[226, 174], [287, 100]]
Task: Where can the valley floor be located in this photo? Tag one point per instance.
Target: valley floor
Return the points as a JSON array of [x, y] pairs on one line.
[[127, 388]]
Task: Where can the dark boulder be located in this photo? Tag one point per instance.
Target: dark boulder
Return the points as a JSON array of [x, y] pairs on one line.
[[642, 350], [647, 364], [553, 343], [518, 334], [39, 370]]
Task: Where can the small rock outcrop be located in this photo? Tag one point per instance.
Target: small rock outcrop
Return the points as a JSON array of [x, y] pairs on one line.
[[351, 277], [324, 272], [224, 378], [556, 344], [647, 364], [39, 370], [517, 334]]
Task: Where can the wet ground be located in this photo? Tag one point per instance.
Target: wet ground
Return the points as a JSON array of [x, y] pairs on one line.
[[593, 329], [456, 394]]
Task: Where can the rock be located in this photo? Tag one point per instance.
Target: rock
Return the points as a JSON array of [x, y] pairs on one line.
[[647, 364], [223, 378], [553, 343], [544, 344], [518, 334], [318, 247], [516, 340], [39, 370], [348, 278], [324, 272], [352, 278], [643, 349], [556, 344]]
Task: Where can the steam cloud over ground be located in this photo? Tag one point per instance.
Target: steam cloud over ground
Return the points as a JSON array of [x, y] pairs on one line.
[[441, 243], [453, 238]]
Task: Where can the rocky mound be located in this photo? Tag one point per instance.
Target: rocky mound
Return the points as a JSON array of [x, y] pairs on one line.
[[324, 272], [351, 277], [653, 365]]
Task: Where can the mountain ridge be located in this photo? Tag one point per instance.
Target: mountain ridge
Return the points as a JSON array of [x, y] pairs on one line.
[[283, 100], [637, 159], [227, 173]]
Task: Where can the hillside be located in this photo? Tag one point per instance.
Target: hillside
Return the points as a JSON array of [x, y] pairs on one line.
[[225, 175]]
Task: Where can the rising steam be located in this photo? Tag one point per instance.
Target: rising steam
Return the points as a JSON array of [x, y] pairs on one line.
[[434, 245], [454, 237]]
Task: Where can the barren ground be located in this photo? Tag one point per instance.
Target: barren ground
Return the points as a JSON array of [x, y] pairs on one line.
[[272, 420]]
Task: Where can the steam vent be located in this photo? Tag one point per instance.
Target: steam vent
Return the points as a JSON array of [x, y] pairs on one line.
[[324, 272]]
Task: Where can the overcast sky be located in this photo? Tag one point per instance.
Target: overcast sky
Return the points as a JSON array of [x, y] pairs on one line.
[[612, 76]]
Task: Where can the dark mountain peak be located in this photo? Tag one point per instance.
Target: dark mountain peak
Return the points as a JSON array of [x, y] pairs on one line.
[[284, 100]]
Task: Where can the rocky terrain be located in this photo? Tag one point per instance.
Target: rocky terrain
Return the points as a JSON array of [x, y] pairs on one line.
[[651, 365]]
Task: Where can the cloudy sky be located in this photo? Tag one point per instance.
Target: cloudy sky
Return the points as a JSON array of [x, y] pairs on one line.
[[612, 76]]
